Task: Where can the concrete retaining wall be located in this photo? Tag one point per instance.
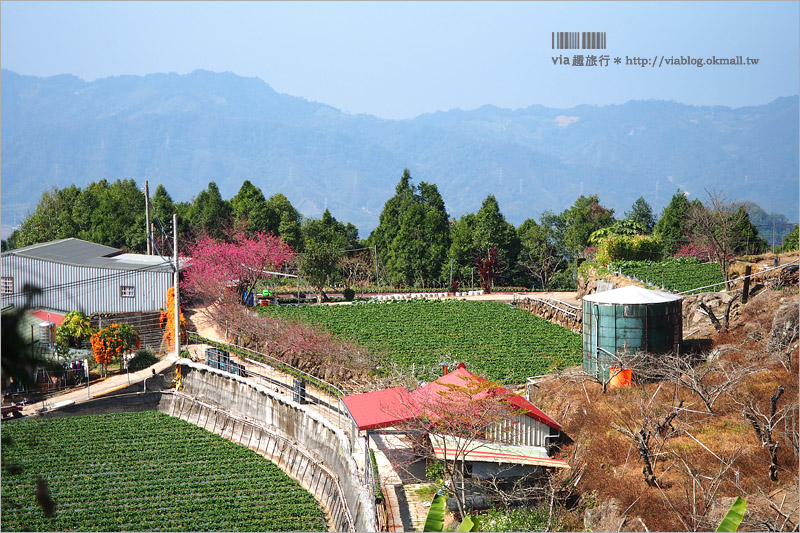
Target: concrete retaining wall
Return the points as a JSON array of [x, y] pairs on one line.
[[312, 433]]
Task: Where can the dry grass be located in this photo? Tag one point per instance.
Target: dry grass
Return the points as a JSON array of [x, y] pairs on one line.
[[610, 463]]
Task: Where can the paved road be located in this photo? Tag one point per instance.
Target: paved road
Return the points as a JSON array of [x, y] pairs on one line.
[[99, 387]]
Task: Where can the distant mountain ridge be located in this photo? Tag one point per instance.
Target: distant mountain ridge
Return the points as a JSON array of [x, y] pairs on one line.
[[186, 130]]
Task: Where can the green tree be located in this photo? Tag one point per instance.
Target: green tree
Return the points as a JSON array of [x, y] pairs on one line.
[[112, 214], [749, 240], [250, 206], [51, 220], [289, 230], [209, 213], [671, 228], [492, 229], [413, 213], [463, 249], [389, 220], [75, 327], [539, 255], [582, 219], [791, 241], [642, 213], [318, 261], [284, 220]]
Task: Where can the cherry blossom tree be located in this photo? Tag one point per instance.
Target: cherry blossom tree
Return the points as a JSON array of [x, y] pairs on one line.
[[223, 270]]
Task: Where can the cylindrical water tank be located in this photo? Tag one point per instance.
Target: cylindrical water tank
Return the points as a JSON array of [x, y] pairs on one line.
[[625, 321]]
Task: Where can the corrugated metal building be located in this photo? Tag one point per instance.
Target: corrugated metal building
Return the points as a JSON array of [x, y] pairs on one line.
[[74, 274]]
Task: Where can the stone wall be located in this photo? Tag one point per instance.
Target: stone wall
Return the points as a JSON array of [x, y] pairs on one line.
[[553, 311]]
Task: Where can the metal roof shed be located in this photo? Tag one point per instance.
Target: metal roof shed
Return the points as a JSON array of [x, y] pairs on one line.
[[74, 274]]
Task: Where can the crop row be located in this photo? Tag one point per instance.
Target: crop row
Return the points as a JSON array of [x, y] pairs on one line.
[[141, 472], [496, 340], [673, 274]]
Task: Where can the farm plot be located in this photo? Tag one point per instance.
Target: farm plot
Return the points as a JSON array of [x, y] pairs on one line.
[[676, 274], [144, 472], [500, 342]]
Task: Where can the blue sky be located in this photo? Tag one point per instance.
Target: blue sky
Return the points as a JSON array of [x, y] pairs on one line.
[[401, 59]]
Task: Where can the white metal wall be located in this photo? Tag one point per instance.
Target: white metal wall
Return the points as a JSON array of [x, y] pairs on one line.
[[521, 430], [87, 289]]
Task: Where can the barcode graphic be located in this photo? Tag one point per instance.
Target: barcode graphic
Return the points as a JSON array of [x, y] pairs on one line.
[[565, 40]]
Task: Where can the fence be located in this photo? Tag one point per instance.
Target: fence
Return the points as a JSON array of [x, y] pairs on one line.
[[305, 388]]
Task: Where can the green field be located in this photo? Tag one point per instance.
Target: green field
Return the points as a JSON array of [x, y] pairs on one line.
[[675, 274], [144, 471], [496, 340]]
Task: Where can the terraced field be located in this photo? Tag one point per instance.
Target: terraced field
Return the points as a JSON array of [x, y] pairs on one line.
[[144, 472], [496, 340], [674, 274]]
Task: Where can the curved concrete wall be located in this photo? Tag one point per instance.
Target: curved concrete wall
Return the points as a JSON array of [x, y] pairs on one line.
[[316, 436]]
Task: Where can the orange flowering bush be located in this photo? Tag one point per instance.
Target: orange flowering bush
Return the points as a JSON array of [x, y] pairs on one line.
[[111, 342], [168, 318]]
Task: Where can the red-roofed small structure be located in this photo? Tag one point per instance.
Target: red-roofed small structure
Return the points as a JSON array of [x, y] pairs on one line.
[[48, 316], [391, 407], [461, 377]]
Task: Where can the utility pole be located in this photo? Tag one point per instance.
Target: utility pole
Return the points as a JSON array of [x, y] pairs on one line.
[[177, 293], [773, 236], [147, 216]]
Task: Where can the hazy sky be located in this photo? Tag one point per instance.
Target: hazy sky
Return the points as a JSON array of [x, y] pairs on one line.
[[400, 59]]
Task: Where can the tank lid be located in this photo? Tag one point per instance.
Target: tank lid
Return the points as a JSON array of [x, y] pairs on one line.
[[631, 295]]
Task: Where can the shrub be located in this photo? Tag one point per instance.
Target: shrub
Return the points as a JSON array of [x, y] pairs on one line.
[[435, 471], [349, 294], [628, 248], [142, 360]]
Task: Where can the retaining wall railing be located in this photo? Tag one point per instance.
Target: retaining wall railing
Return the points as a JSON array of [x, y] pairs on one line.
[[313, 428], [317, 393]]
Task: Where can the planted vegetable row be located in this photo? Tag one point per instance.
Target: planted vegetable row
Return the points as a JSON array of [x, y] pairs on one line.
[[498, 341], [144, 472]]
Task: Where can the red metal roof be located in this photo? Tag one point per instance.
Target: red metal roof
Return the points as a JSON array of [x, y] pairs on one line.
[[48, 316], [461, 376], [389, 407], [380, 408]]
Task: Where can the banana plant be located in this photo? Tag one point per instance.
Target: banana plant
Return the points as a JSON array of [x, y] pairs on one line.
[[435, 518], [733, 518]]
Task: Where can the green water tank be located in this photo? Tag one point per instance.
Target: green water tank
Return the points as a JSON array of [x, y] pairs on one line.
[[626, 321]]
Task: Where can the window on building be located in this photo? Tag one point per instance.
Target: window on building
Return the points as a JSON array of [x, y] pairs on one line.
[[7, 286], [127, 291]]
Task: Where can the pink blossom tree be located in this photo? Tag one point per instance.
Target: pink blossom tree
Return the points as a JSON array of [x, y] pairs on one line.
[[224, 270]]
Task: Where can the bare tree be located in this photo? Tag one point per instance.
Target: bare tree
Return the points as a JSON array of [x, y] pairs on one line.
[[718, 224], [765, 424], [708, 379], [649, 429], [699, 488], [357, 269], [458, 421]]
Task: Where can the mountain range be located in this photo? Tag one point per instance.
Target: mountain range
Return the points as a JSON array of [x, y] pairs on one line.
[[187, 130]]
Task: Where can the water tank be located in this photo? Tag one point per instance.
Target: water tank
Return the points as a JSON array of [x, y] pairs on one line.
[[47, 333], [626, 321]]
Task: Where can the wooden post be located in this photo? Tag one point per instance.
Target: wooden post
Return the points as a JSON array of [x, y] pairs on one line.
[[746, 288]]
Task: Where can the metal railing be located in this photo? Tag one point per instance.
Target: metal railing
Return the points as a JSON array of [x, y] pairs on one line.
[[304, 387]]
